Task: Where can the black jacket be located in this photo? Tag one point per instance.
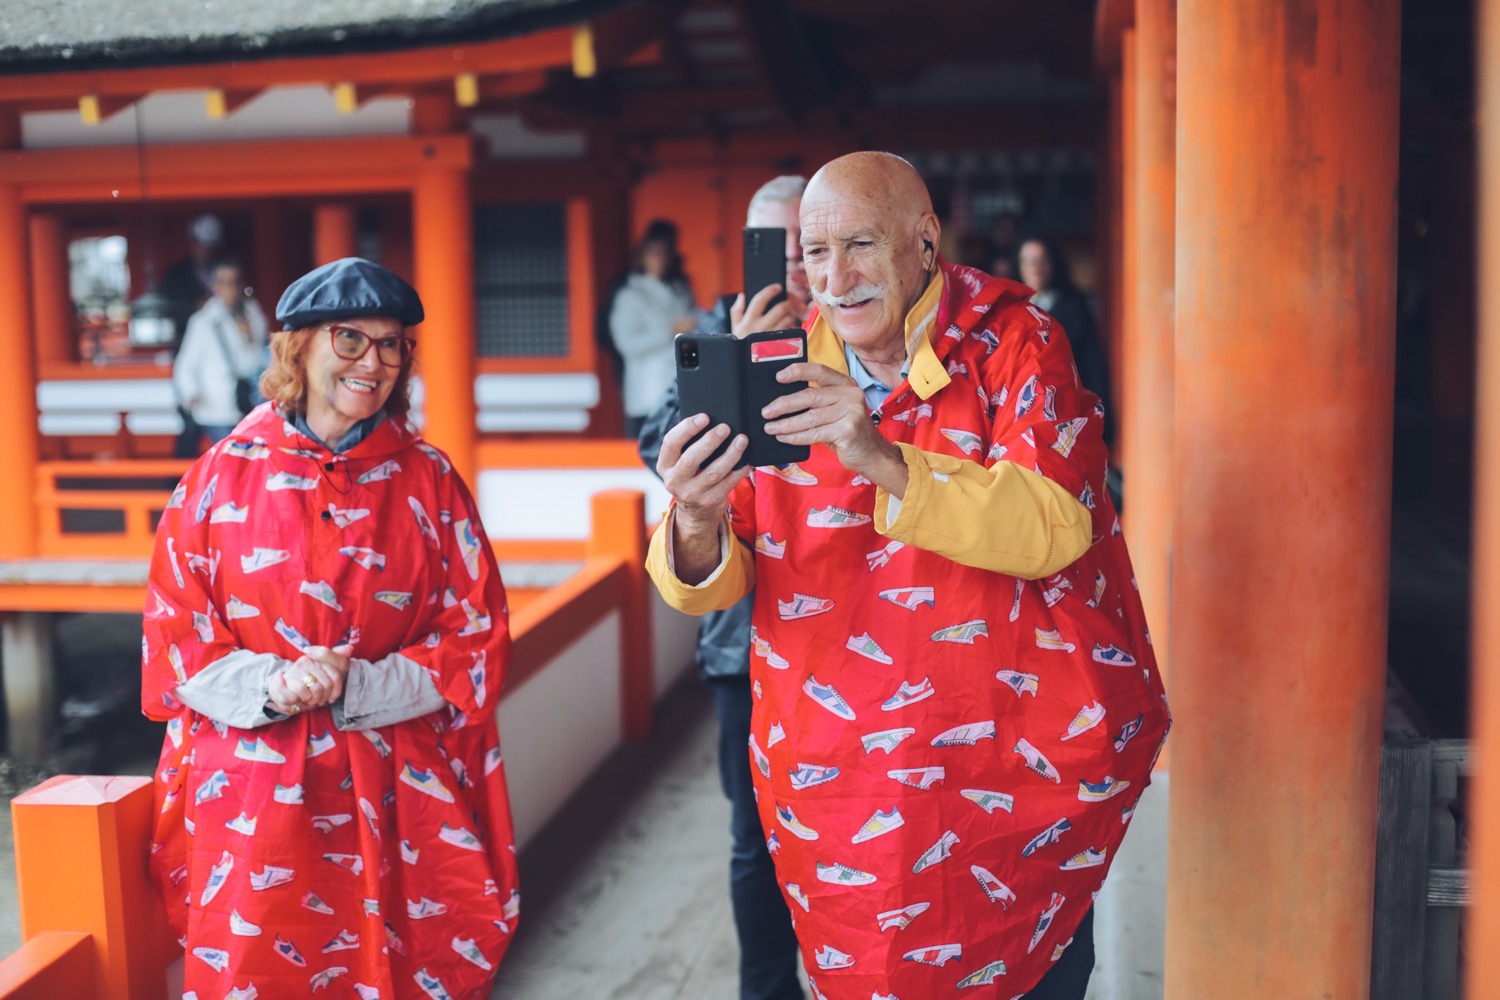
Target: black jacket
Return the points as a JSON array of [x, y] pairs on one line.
[[723, 636]]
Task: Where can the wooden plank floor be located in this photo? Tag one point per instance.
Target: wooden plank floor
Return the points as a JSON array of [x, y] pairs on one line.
[[625, 894]]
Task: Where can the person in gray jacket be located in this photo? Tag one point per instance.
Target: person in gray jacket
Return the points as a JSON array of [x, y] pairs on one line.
[[768, 946]]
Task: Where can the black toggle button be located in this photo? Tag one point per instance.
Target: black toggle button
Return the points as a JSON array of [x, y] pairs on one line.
[[326, 516], [328, 466], [875, 417]]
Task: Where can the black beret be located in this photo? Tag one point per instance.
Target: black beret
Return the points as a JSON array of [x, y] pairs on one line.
[[346, 289]]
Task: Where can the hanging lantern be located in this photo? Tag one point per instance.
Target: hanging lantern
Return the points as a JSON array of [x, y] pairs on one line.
[[151, 323]]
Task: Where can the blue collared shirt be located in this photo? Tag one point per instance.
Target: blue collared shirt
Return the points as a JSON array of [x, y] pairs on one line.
[[356, 434], [876, 392]]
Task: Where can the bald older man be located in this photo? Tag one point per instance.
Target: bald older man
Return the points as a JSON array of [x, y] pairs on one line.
[[957, 706]]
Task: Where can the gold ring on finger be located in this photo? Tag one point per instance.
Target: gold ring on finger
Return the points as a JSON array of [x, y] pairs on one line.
[[309, 681], [296, 709]]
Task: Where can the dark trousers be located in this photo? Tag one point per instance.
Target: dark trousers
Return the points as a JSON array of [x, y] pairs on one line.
[[1069, 978], [768, 947]]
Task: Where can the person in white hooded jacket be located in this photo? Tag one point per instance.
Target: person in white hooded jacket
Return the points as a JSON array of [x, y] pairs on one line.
[[225, 341], [650, 309]]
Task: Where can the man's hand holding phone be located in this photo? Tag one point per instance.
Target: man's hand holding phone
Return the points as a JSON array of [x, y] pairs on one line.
[[750, 317], [701, 491]]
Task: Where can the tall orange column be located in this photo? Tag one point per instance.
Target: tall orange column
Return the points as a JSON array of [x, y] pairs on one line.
[[333, 233], [1286, 180], [1127, 352], [51, 302], [443, 242], [18, 416], [1146, 425], [1483, 941]]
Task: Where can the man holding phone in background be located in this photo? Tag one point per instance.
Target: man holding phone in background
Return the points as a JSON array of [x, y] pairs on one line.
[[768, 947]]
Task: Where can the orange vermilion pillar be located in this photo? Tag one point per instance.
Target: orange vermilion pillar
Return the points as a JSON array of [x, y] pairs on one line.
[[1483, 940], [1146, 425], [1128, 352], [18, 416], [51, 304], [333, 232], [443, 242], [1286, 193]]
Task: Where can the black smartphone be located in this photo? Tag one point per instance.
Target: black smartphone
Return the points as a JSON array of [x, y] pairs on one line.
[[765, 262], [731, 379]]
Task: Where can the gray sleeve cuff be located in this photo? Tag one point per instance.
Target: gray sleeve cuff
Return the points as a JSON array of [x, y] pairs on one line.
[[233, 689], [385, 691]]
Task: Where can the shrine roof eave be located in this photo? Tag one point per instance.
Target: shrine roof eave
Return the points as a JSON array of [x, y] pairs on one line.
[[51, 36]]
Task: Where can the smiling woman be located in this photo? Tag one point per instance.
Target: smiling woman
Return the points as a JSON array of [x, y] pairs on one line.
[[331, 779]]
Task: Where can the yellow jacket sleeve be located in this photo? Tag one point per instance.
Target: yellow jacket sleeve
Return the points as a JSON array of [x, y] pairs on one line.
[[734, 578], [1006, 518]]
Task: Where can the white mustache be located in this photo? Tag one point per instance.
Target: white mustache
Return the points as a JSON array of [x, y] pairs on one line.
[[859, 294]]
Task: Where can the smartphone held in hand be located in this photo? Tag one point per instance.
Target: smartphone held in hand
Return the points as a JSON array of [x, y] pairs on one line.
[[731, 379]]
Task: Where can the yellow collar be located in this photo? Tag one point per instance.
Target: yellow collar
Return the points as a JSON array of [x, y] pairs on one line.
[[925, 372]]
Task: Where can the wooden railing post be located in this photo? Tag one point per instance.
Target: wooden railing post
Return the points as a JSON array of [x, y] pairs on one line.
[[81, 848], [619, 529]]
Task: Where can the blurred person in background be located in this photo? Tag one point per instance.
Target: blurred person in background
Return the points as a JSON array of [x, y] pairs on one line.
[[1042, 265], [222, 356], [653, 306]]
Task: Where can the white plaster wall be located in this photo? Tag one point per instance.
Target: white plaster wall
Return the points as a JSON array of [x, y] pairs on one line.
[[554, 503], [561, 725], [673, 638]]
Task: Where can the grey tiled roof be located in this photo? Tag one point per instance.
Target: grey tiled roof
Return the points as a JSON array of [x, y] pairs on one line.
[[40, 35]]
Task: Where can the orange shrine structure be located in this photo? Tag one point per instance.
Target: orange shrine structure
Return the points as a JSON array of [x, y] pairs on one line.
[[1286, 213]]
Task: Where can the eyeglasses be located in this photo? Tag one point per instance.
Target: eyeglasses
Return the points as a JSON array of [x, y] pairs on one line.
[[351, 345]]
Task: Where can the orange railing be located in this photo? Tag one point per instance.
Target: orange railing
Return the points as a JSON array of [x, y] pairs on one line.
[[90, 919], [105, 509]]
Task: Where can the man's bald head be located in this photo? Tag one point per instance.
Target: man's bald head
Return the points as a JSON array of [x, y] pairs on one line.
[[883, 180], [869, 238]]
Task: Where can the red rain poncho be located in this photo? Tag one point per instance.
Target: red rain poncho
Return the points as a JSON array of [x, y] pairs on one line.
[[946, 757], [297, 859]]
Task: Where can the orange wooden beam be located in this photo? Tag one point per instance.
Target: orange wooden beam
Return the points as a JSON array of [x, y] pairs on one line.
[[220, 103], [443, 242], [1111, 18], [1147, 423], [553, 47], [81, 848], [618, 529], [554, 619], [333, 232], [1483, 932], [50, 966], [1287, 139], [281, 166], [18, 416]]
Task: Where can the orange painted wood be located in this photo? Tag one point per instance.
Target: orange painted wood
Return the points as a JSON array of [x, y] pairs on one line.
[[51, 966], [1129, 207], [580, 285], [51, 302], [18, 416], [538, 50], [618, 518], [333, 232], [558, 453], [1287, 137], [1111, 18], [443, 244], [1483, 930], [70, 371], [127, 600], [108, 173], [555, 619], [1146, 424], [81, 847], [540, 549]]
